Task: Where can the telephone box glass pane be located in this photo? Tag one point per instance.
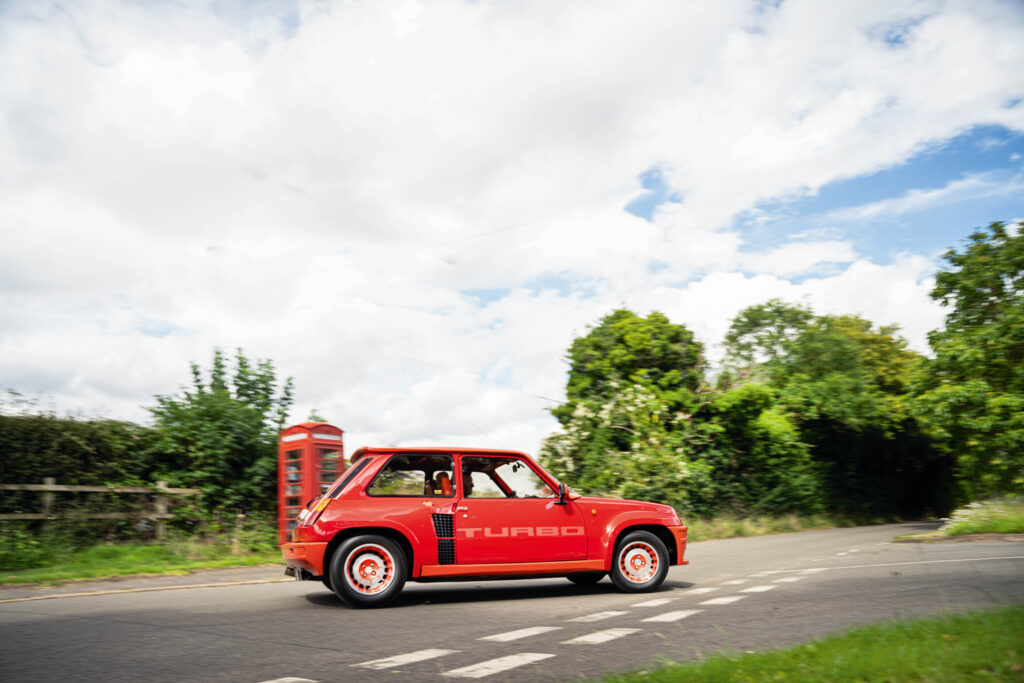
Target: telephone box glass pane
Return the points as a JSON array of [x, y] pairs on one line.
[[292, 466], [328, 476], [293, 455], [292, 501], [294, 490], [329, 465]]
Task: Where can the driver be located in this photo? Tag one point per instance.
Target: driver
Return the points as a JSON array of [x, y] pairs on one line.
[[467, 482]]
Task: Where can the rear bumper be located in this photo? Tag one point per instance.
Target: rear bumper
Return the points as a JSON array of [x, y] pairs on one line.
[[305, 556], [679, 533]]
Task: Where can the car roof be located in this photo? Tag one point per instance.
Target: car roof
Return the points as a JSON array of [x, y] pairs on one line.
[[446, 450]]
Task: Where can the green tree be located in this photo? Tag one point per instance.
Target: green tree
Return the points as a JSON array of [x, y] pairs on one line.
[[220, 434], [844, 383], [625, 349], [971, 396], [762, 465], [633, 446]]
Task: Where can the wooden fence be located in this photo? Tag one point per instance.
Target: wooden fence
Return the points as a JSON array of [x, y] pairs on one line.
[[48, 488]]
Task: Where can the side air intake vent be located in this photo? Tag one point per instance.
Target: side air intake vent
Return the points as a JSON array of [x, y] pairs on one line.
[[446, 551], [444, 525]]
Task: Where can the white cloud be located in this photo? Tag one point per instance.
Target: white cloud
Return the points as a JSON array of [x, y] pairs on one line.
[[326, 189], [971, 186]]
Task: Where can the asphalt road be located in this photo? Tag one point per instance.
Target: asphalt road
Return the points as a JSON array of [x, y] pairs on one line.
[[739, 594]]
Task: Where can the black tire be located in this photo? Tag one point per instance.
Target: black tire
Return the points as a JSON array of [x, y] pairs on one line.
[[326, 580], [640, 562], [368, 571], [586, 578]]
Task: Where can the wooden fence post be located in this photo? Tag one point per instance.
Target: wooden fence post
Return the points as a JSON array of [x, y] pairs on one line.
[[48, 497], [160, 504]]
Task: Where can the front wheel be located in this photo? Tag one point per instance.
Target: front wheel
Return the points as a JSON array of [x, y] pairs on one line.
[[368, 571], [640, 563]]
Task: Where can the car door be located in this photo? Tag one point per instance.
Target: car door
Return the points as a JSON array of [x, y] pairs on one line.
[[508, 512]]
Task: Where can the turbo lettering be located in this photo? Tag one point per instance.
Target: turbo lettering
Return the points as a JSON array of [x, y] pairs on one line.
[[520, 531]]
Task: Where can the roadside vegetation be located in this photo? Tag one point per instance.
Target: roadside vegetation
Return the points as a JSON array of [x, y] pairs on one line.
[[811, 420], [985, 646], [987, 517], [53, 558]]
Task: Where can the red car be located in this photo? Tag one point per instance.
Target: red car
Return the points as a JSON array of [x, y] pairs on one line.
[[443, 514]]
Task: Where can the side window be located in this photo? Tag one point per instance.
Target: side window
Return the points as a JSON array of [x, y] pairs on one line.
[[414, 475], [496, 477]]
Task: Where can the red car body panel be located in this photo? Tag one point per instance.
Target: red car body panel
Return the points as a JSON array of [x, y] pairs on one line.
[[493, 537]]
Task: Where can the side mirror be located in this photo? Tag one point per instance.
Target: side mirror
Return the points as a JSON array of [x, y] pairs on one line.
[[561, 494]]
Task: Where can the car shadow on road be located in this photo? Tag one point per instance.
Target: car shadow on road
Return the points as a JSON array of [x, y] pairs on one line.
[[488, 591]]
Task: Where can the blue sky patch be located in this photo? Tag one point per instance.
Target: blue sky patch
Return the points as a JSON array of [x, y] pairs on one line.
[[655, 193], [925, 205]]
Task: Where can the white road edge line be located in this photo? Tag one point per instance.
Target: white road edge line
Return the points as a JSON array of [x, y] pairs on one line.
[[86, 594], [903, 564], [599, 637], [596, 616], [407, 658], [493, 666], [674, 616], [521, 633]]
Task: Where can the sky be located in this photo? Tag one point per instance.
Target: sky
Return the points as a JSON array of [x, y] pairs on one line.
[[413, 208]]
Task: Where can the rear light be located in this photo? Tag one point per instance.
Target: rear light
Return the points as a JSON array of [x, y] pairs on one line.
[[313, 514]]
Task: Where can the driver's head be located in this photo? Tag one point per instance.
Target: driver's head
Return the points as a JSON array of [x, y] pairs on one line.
[[467, 482]]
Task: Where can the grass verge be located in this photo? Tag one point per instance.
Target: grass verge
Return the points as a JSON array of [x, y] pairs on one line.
[[734, 527], [107, 561], [974, 646], [987, 517]]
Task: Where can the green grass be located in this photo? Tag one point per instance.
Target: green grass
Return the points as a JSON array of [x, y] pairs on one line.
[[988, 517], [979, 646], [105, 561], [733, 527]]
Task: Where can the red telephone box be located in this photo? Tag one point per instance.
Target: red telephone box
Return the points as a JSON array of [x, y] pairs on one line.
[[310, 456]]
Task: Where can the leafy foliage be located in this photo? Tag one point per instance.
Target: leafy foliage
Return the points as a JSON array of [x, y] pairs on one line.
[[625, 349], [844, 383], [971, 396], [220, 434]]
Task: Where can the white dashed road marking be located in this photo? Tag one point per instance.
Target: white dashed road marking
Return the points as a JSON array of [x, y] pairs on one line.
[[758, 589], [407, 658], [598, 637], [597, 616], [734, 582], [674, 616], [657, 602], [789, 579], [815, 570], [723, 601], [702, 591], [521, 633], [494, 666], [290, 679]]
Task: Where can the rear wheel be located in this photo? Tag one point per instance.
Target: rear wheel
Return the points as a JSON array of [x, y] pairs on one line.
[[586, 578], [368, 571], [640, 563]]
